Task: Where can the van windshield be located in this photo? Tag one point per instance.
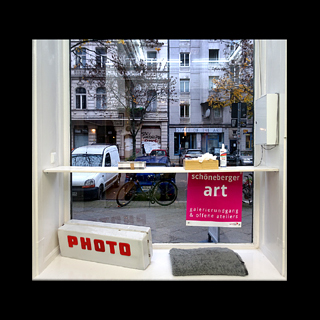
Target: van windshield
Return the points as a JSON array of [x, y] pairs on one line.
[[87, 160]]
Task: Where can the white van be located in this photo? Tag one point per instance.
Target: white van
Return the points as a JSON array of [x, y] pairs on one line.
[[93, 185]]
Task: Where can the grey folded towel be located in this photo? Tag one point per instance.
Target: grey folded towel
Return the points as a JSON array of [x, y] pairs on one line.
[[206, 261]]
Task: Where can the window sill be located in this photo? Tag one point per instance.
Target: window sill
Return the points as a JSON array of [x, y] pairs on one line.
[[62, 268], [69, 169]]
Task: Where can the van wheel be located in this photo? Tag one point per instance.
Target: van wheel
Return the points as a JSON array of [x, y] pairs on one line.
[[100, 193]]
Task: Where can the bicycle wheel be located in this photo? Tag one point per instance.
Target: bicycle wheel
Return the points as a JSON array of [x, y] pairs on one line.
[[246, 194], [165, 193], [126, 193]]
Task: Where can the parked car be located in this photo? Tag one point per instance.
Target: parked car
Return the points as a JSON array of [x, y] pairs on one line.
[[231, 158], [146, 179], [189, 153], [158, 152], [92, 185], [246, 158]]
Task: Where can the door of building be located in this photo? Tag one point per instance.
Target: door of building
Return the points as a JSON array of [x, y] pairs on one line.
[[106, 134], [233, 145]]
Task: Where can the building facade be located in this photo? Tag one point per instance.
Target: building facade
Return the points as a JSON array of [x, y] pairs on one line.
[[98, 114], [192, 123]]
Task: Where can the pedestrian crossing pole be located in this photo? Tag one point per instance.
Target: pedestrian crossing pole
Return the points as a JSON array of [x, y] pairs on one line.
[[238, 135]]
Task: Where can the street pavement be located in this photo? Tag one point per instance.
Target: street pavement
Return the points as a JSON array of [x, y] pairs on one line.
[[168, 224]]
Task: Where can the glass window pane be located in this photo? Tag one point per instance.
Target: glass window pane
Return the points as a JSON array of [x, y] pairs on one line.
[[181, 110], [186, 110], [187, 59], [78, 102], [182, 59], [111, 106]]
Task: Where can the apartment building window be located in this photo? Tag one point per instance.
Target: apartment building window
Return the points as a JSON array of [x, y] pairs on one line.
[[211, 84], [213, 55], [234, 74], [184, 59], [151, 59], [101, 98], [152, 96], [81, 98], [81, 59], [217, 113], [101, 57], [184, 85], [184, 110], [249, 141]]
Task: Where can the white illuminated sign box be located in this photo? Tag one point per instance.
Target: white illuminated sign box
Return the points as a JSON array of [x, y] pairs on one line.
[[266, 117], [117, 244]]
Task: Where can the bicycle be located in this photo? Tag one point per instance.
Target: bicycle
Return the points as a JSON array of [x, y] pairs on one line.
[[163, 192], [247, 189]]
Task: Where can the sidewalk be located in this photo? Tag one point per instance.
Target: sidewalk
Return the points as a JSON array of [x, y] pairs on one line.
[[168, 224]]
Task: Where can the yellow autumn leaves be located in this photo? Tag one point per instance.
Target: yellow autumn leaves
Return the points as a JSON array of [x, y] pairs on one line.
[[225, 92]]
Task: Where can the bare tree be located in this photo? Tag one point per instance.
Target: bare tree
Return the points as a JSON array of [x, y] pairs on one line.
[[131, 82]]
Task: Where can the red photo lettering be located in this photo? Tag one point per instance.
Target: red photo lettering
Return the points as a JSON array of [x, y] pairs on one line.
[[72, 241], [124, 248]]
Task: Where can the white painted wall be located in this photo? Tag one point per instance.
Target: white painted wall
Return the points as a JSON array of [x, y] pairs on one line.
[[50, 133], [271, 188]]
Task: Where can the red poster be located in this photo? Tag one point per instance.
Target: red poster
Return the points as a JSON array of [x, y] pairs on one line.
[[214, 199]]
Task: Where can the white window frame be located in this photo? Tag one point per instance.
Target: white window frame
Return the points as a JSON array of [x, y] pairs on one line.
[[186, 104], [81, 58], [184, 59], [102, 57], [214, 60], [50, 212], [183, 85], [152, 107], [102, 97], [81, 95], [217, 112], [152, 62], [211, 84]]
